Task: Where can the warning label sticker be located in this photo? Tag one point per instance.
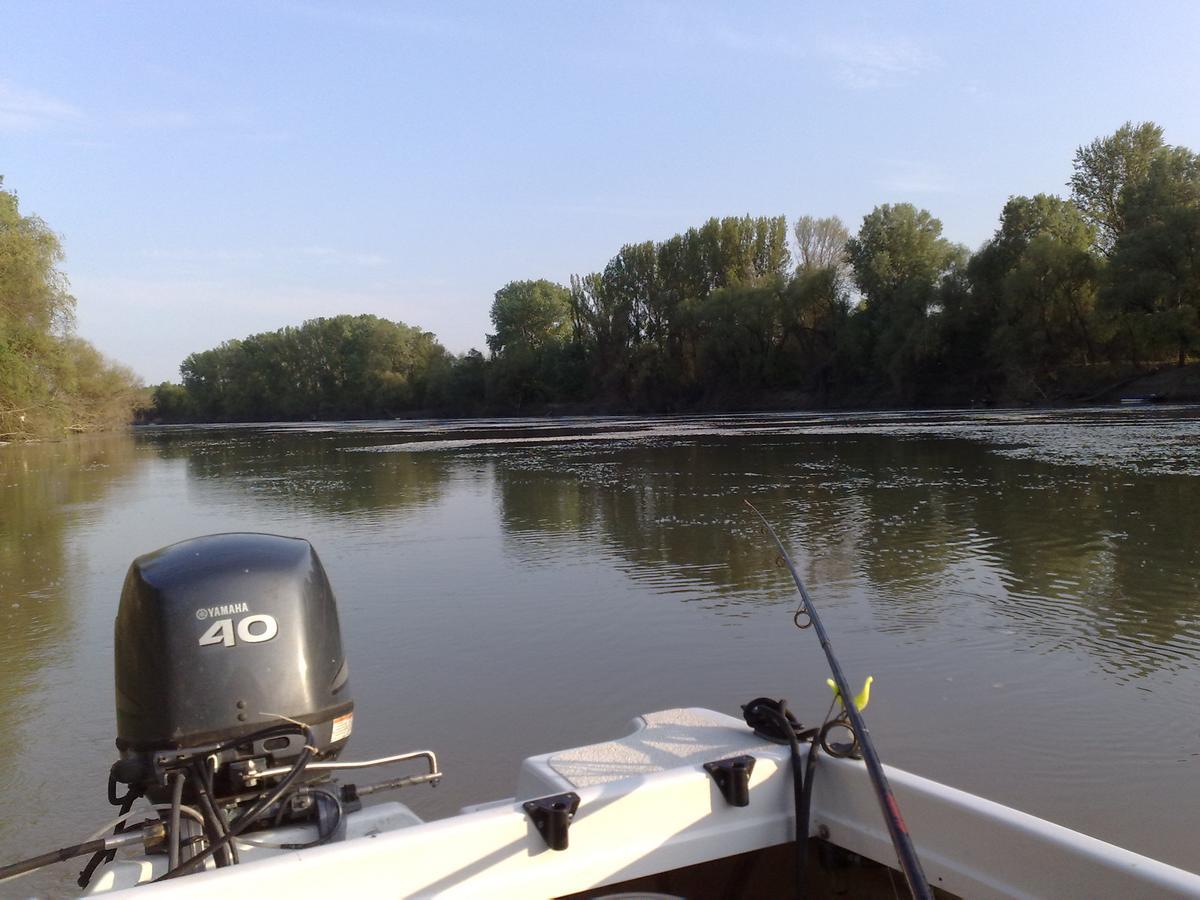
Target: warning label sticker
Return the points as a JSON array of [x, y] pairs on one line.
[[342, 726]]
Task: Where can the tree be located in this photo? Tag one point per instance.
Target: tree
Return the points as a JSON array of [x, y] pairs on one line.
[[1048, 298], [171, 402], [35, 307], [1105, 169], [740, 332], [741, 250], [1154, 278], [898, 257], [1025, 218], [821, 242], [601, 320], [633, 274], [534, 323], [1032, 293], [50, 381], [458, 383], [814, 307], [639, 321], [94, 393], [897, 247], [343, 366], [529, 314]]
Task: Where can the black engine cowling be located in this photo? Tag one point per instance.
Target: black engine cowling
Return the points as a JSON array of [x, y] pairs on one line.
[[218, 637]]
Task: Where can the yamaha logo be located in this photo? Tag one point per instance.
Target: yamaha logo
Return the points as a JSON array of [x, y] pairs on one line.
[[227, 610]]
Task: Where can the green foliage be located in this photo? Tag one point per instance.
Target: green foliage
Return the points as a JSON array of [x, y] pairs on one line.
[[1154, 278], [739, 329], [1047, 301], [343, 367], [642, 320], [95, 393], [458, 383], [898, 251], [529, 315], [171, 402], [1105, 169], [899, 258], [33, 292], [821, 242], [533, 359], [1029, 306], [50, 381]]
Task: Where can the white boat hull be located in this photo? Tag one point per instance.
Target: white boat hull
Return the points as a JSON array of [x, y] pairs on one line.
[[647, 805]]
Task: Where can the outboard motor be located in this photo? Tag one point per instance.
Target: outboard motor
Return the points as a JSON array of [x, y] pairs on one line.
[[221, 637], [230, 681], [233, 702]]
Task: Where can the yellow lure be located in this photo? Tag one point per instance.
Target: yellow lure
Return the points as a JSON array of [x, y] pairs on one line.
[[860, 702]]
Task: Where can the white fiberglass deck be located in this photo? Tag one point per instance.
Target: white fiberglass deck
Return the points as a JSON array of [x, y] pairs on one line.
[[647, 805]]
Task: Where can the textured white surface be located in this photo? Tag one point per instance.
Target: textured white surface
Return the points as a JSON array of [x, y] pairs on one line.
[[664, 740]]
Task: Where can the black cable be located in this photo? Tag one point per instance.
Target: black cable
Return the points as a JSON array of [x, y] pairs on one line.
[[54, 856], [773, 721], [799, 793], [213, 809], [104, 856], [321, 837], [815, 737], [231, 848], [212, 825], [220, 840], [804, 814], [255, 812]]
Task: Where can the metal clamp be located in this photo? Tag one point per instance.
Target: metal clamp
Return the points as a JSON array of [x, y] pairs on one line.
[[552, 817], [732, 776]]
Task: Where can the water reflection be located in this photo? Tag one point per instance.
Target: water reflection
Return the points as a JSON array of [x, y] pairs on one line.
[[1074, 556], [1041, 520], [45, 490], [1096, 557], [303, 473], [673, 515]]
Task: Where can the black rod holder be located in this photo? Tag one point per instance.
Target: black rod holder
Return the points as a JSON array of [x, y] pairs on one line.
[[552, 817], [732, 776]]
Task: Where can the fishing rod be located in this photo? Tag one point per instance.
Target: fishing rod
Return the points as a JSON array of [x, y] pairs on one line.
[[905, 852]]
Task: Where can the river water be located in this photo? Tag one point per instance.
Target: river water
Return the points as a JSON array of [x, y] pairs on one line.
[[1024, 586]]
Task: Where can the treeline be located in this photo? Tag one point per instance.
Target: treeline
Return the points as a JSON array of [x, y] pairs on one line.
[[1067, 295], [51, 382], [343, 367]]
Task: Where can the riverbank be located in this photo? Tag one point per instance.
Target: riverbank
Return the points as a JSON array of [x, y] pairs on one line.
[[1174, 384], [1178, 384]]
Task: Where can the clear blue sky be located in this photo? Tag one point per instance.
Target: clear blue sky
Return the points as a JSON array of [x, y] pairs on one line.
[[218, 169]]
